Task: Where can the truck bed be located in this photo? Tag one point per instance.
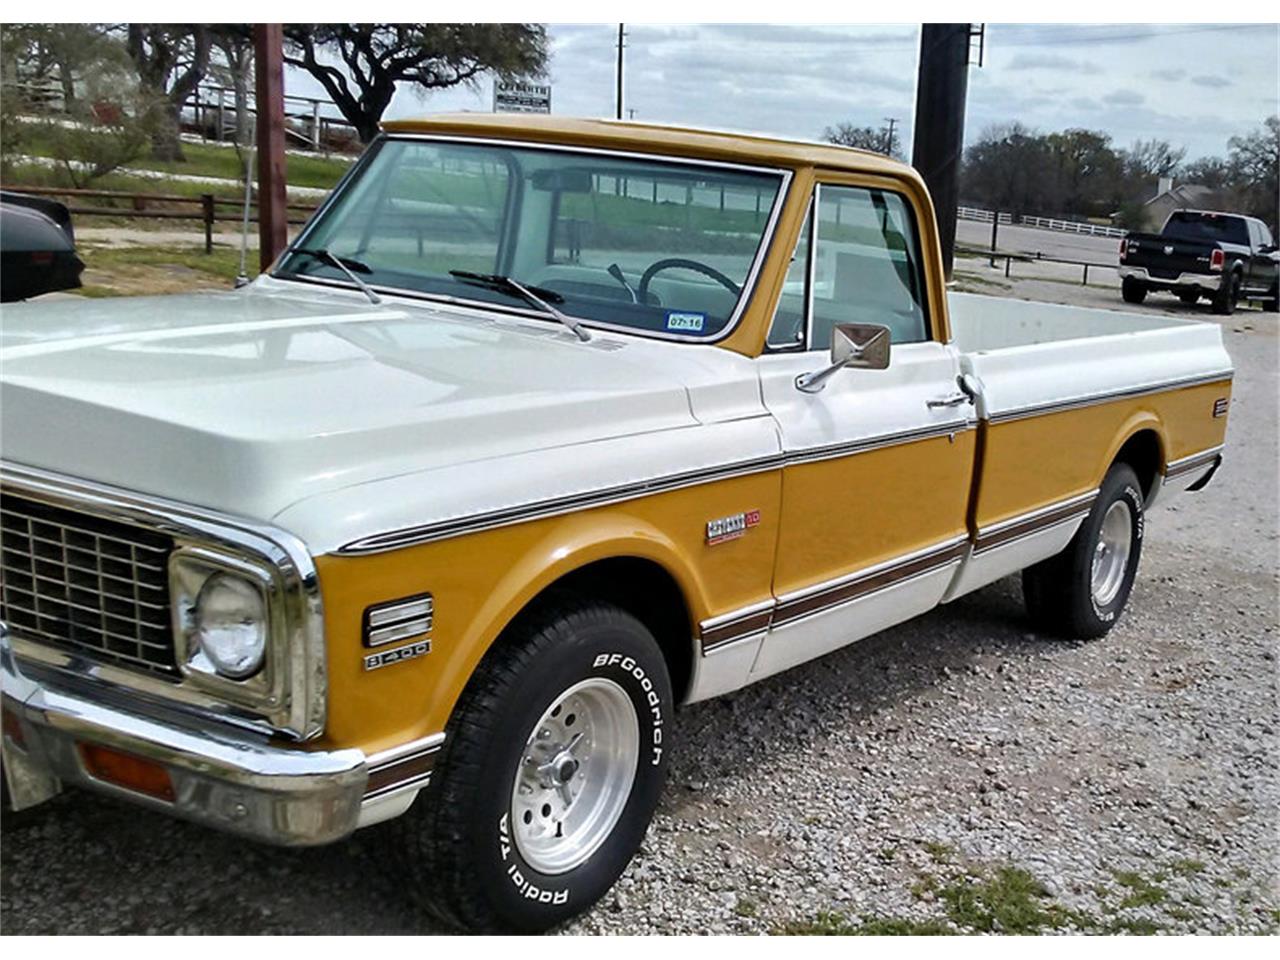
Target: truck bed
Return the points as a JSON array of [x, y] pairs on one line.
[[1031, 356]]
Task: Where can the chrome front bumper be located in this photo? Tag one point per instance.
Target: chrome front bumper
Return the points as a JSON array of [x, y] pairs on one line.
[[234, 781]]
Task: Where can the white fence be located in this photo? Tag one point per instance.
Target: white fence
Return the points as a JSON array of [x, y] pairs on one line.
[[982, 216], [1042, 223]]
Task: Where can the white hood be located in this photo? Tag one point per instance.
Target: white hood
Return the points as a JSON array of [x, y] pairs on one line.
[[250, 401]]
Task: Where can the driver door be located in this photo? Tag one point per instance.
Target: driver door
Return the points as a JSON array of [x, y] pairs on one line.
[[878, 462]]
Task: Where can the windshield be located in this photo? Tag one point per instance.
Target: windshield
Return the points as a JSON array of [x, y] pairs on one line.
[[645, 245], [1206, 226]]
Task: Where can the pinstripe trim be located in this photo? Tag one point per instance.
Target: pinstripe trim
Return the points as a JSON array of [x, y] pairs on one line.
[[835, 450], [723, 630], [1204, 458], [427, 533], [1000, 534], [719, 632], [557, 506], [1060, 405]]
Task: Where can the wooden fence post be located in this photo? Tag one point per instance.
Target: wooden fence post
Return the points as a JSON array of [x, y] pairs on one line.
[[206, 210]]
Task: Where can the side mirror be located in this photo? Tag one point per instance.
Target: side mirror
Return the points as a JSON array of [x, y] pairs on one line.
[[863, 346]]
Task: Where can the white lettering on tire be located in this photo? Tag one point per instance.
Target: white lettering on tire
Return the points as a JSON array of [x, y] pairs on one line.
[[528, 889], [628, 665]]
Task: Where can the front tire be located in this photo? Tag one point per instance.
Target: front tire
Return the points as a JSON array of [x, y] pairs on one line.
[[554, 761], [1133, 291], [1081, 592], [1273, 304]]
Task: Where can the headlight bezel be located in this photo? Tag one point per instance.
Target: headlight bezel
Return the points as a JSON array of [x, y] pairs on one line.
[[294, 703], [191, 568]]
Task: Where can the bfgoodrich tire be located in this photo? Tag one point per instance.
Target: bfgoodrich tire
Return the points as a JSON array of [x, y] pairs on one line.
[[553, 763], [1081, 592]]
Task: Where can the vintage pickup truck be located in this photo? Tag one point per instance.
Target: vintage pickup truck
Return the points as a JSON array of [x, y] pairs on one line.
[[537, 431]]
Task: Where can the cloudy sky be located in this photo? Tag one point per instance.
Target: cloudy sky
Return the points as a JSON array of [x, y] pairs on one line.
[[1194, 85]]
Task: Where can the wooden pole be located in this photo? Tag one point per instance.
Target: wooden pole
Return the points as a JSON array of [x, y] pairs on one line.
[[273, 228], [939, 123]]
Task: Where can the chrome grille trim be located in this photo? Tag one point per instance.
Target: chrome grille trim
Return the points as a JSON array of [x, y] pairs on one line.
[[296, 703], [80, 606]]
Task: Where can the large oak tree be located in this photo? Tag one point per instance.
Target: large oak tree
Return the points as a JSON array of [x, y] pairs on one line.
[[360, 64]]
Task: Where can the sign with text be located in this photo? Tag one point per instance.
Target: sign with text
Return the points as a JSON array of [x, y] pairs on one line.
[[520, 97]]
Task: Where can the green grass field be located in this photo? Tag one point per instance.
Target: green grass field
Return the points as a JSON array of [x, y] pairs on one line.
[[205, 160]]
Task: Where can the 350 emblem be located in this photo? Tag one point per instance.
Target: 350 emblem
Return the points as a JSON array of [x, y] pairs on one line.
[[732, 527]]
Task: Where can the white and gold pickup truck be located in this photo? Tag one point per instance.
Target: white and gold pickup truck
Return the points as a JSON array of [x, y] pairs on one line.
[[539, 430]]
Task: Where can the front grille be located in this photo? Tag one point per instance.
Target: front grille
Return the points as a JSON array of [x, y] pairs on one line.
[[86, 585]]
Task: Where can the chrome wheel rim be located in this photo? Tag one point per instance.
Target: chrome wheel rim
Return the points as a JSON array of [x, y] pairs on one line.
[[1111, 555], [575, 775]]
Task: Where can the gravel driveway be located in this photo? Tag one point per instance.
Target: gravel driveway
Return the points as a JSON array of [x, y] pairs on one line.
[[954, 773]]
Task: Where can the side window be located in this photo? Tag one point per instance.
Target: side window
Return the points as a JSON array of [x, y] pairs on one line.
[[867, 267], [787, 329]]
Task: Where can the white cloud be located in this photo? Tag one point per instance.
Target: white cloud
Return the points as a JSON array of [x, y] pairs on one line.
[[1128, 80]]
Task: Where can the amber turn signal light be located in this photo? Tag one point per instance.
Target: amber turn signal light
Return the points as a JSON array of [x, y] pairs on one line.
[[126, 770]]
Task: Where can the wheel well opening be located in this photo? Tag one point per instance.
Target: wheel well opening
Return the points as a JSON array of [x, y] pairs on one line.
[[1142, 452], [651, 595]]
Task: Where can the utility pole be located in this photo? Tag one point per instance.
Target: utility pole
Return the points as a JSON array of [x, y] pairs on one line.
[[888, 147], [273, 226], [939, 126], [622, 38]]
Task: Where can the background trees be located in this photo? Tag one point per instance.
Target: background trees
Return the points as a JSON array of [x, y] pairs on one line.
[[360, 64], [1079, 173], [864, 138]]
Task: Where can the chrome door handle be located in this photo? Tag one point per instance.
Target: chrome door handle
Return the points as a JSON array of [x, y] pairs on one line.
[[950, 400]]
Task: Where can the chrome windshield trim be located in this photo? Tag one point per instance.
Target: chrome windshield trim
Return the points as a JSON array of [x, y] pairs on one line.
[[301, 706], [784, 174]]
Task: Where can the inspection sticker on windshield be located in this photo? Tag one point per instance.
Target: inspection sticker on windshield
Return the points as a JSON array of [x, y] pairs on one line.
[[686, 322]]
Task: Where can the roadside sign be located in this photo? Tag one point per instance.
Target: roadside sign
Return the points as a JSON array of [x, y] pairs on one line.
[[520, 97]]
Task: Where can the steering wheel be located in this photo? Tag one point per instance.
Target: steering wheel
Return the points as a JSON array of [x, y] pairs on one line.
[[642, 291]]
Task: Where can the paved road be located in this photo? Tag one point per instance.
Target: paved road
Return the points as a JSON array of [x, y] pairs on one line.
[[1052, 243]]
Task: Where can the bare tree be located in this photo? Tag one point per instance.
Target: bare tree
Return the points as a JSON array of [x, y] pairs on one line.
[[171, 60], [864, 138], [375, 57]]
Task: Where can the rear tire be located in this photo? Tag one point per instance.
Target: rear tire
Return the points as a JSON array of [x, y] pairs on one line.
[[499, 840], [1133, 291], [1189, 297], [1224, 302], [1273, 305], [1081, 592]]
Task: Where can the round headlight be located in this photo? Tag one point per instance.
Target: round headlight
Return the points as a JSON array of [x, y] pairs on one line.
[[230, 621]]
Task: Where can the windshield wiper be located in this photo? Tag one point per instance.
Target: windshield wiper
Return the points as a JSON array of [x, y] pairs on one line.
[[347, 266], [537, 296]]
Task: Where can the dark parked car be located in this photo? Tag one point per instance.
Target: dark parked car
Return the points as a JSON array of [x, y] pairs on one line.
[[37, 247], [1225, 257]]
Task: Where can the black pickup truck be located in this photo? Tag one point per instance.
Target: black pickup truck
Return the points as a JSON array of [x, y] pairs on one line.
[[1225, 257]]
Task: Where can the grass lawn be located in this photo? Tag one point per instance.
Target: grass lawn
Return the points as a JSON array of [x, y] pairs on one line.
[[210, 160], [137, 271]]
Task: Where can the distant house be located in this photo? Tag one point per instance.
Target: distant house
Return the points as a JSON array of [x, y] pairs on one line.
[[1168, 198]]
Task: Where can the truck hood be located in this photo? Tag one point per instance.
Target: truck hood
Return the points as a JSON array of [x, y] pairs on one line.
[[249, 401]]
